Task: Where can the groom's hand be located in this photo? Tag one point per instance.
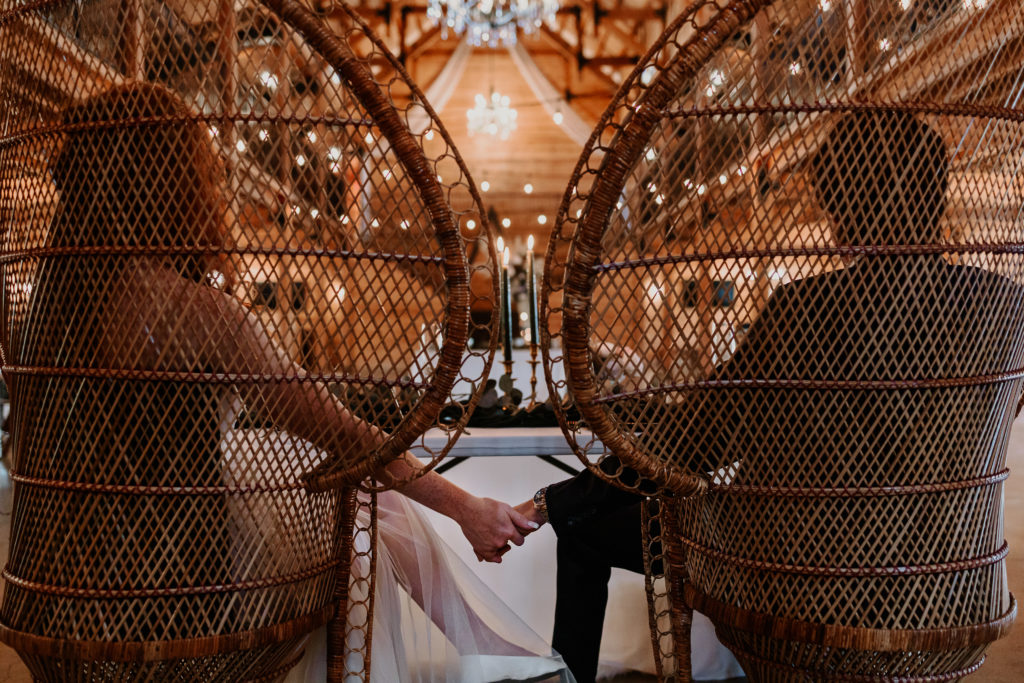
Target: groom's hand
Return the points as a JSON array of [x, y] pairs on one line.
[[490, 525]]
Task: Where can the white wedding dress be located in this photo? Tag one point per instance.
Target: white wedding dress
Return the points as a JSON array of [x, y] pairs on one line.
[[434, 620]]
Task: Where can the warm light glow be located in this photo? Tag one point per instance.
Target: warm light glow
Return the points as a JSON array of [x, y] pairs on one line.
[[344, 220], [311, 136], [558, 118], [268, 79], [650, 155], [300, 160], [375, 223], [429, 135], [493, 116], [528, 188], [404, 225], [214, 131], [975, 4], [491, 22], [506, 223], [485, 186], [240, 146], [315, 213], [825, 5], [501, 245], [505, 257], [334, 154], [701, 189], [723, 179], [217, 279], [263, 135], [795, 68], [529, 242], [905, 4], [471, 224], [386, 173], [542, 219], [884, 44], [368, 138], [648, 74]]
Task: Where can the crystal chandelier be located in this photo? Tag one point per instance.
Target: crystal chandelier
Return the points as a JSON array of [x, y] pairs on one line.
[[492, 116], [491, 22]]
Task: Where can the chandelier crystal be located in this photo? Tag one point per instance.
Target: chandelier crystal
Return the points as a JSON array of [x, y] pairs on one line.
[[491, 22], [492, 116]]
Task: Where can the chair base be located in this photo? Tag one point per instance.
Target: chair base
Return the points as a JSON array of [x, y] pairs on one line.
[[774, 649], [769, 660]]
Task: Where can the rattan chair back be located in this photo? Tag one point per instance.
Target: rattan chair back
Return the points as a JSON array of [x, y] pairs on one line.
[[788, 281], [177, 175]]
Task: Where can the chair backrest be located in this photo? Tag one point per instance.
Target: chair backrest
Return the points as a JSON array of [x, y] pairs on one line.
[[798, 224], [155, 154]]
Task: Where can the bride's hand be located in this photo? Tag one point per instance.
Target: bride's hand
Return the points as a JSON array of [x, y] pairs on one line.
[[489, 525]]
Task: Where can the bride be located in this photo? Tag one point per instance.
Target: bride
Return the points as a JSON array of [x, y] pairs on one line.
[[433, 619]]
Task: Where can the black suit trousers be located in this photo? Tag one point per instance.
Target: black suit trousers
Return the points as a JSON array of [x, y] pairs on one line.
[[598, 527]]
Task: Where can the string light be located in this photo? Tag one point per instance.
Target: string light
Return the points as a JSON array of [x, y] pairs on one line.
[[506, 222], [528, 188], [558, 118], [471, 224], [429, 135], [542, 219], [240, 146], [300, 160], [263, 135], [404, 225], [485, 186]]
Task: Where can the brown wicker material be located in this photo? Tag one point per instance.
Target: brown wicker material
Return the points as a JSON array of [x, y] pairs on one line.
[[788, 276], [154, 154]]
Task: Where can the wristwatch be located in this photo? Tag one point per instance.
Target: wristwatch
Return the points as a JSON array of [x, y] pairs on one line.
[[540, 501]]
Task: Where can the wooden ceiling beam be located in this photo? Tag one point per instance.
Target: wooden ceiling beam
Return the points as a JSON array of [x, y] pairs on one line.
[[575, 54]]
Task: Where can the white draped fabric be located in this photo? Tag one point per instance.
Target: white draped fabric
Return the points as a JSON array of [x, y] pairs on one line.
[[549, 97]]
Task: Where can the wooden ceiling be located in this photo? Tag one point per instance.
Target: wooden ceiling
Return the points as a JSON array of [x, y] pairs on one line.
[[588, 52]]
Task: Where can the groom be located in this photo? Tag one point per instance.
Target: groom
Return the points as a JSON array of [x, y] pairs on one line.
[[882, 180]]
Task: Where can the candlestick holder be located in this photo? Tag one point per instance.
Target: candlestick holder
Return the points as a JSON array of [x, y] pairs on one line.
[[533, 374]]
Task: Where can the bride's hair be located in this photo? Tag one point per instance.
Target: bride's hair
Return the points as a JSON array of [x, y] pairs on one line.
[[137, 170]]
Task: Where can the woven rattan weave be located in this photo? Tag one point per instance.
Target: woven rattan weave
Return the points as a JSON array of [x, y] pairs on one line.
[[220, 219], [788, 274]]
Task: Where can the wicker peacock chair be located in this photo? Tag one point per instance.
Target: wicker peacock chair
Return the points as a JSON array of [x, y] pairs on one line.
[[173, 173], [803, 220]]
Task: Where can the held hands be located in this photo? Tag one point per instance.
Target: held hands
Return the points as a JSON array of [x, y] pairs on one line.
[[490, 525]]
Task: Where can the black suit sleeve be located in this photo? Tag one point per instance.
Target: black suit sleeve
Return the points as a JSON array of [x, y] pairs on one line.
[[584, 496]]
